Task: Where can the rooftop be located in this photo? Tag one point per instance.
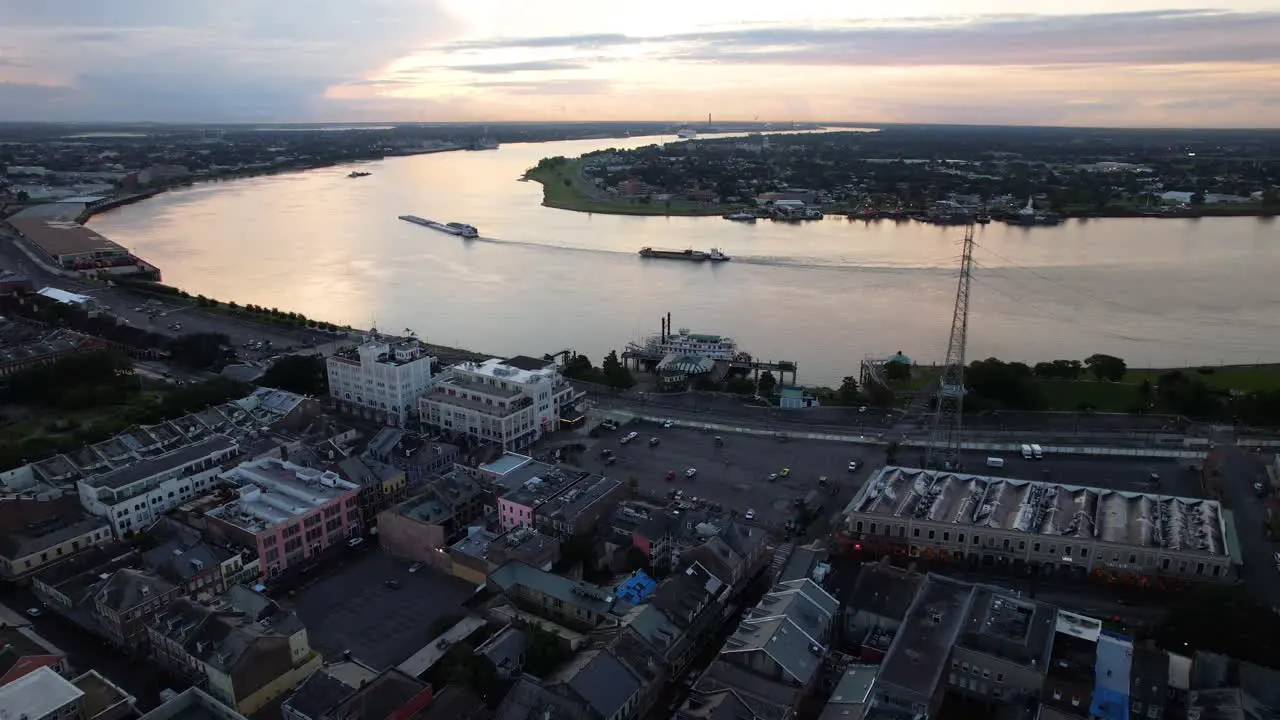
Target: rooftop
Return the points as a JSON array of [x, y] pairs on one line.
[[192, 704], [63, 237], [853, 689], [51, 345], [100, 694], [529, 700], [476, 544], [919, 652], [38, 694], [507, 463], [548, 483], [393, 352], [272, 491], [1010, 627], [1048, 509], [587, 491], [499, 371], [571, 592], [791, 623], [327, 687], [15, 545], [150, 467], [380, 698], [128, 588], [885, 590]]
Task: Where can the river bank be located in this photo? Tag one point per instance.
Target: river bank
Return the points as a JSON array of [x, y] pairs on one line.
[[564, 188]]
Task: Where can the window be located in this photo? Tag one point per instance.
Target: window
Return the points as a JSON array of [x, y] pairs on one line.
[[932, 534], [955, 664], [1057, 694], [986, 674], [915, 532], [976, 539], [1035, 547], [873, 528], [1199, 568], [946, 537], [999, 677], [995, 692], [964, 667], [1137, 707], [960, 538], [902, 531], [1067, 550], [1022, 544], [1075, 701]]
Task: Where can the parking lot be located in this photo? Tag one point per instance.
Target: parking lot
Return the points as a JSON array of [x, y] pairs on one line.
[[1130, 474], [354, 609], [734, 476]]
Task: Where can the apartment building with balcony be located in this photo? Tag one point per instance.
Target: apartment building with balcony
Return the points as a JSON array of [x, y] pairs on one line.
[[132, 497], [287, 512], [510, 403], [381, 379]]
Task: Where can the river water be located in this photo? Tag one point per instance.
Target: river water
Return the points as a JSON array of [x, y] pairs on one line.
[[1157, 292]]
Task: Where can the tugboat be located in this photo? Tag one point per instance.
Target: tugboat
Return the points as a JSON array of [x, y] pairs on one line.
[[358, 174], [460, 229], [741, 217]]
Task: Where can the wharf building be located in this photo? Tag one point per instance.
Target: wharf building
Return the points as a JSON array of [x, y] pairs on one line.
[[1050, 528], [511, 403], [287, 512], [67, 245], [380, 380]]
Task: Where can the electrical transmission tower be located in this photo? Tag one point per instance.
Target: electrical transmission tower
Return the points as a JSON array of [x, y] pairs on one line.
[[943, 450]]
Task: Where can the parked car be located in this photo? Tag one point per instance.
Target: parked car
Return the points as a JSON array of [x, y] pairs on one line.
[[393, 584], [749, 514], [415, 567], [853, 466], [773, 477], [691, 473], [629, 437], [668, 424], [671, 475], [785, 472], [355, 541], [34, 612], [653, 441]]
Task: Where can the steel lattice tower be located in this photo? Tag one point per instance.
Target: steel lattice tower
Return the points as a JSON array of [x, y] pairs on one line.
[[943, 450]]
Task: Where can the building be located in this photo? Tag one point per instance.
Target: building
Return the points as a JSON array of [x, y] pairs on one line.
[[539, 483], [45, 349], [68, 245], [877, 607], [732, 552], [1060, 529], [127, 600], [246, 661], [509, 403], [476, 556], [381, 485], [83, 302], [772, 660], [392, 695], [326, 689], [381, 380], [46, 695], [192, 704], [287, 512], [183, 558], [650, 528], [22, 652], [421, 527], [566, 602], [528, 699], [577, 510], [136, 495], [612, 683], [26, 550], [684, 610]]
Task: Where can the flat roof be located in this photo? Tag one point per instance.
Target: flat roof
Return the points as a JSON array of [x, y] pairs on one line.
[[496, 370], [585, 493], [38, 694], [1048, 509], [63, 296], [150, 467], [505, 464], [273, 491], [63, 237], [919, 652]]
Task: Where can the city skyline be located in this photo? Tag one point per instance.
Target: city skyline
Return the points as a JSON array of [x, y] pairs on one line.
[[1126, 63]]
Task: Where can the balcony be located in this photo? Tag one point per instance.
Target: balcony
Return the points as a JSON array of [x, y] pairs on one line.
[[478, 406]]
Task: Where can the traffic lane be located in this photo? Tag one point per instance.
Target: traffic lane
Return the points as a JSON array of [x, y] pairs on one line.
[[86, 651], [734, 475], [1130, 474], [1259, 572]]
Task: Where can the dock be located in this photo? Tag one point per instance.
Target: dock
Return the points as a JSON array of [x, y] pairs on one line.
[[638, 356]]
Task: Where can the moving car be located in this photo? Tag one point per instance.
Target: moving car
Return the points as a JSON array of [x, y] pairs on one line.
[[34, 612], [749, 514], [668, 424], [853, 466], [353, 542]]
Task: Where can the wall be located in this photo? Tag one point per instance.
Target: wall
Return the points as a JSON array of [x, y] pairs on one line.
[[11, 568], [989, 675], [413, 540], [279, 686], [512, 514]]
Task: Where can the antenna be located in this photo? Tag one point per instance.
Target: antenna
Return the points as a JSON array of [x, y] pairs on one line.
[[944, 437]]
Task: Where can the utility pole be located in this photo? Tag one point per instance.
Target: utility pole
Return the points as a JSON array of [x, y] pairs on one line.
[[943, 450]]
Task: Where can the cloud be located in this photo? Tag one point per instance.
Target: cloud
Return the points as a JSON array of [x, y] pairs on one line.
[[588, 86], [1154, 37], [515, 67]]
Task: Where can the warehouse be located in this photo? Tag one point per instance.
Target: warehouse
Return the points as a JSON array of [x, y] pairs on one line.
[[1050, 527], [71, 246]]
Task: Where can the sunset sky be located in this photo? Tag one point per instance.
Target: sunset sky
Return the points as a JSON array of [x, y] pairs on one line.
[[1086, 62]]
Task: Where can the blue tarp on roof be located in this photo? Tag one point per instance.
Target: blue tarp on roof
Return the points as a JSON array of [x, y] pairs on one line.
[[636, 588]]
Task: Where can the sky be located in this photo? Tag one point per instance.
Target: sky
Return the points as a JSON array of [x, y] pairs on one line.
[[1183, 63]]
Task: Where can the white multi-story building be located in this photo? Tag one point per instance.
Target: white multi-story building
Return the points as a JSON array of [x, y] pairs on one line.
[[381, 380], [134, 496], [511, 403]]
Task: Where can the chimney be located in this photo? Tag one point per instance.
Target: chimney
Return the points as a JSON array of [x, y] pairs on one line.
[[668, 323]]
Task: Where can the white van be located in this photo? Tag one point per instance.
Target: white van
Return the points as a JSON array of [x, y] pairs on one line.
[[1036, 452], [995, 462], [1026, 452]]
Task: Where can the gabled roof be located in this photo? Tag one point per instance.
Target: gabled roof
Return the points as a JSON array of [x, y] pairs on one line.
[[128, 588], [604, 683], [791, 624]]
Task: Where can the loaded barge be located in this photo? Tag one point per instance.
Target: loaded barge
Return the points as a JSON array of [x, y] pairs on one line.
[[714, 254], [453, 228]]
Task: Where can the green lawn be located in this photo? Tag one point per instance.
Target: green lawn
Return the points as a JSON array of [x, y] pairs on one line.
[[1245, 378], [577, 195], [1103, 397]]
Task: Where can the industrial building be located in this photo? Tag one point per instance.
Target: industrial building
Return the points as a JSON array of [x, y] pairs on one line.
[[1050, 528], [68, 245]]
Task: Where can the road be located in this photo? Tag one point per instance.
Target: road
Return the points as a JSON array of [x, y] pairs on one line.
[[88, 652], [1239, 470], [1042, 428]]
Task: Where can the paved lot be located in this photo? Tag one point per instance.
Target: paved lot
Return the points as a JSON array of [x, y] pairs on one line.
[[735, 476], [352, 609]]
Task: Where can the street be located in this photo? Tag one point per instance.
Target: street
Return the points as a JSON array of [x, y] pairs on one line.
[[1239, 470], [85, 651]]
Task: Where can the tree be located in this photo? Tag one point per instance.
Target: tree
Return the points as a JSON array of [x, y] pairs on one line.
[[615, 373], [767, 384], [543, 651], [200, 351], [1144, 390], [897, 371], [1197, 197], [848, 391], [302, 374], [578, 367], [1008, 385], [1106, 367]]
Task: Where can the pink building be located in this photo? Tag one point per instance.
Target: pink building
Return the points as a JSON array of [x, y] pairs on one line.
[[288, 512]]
